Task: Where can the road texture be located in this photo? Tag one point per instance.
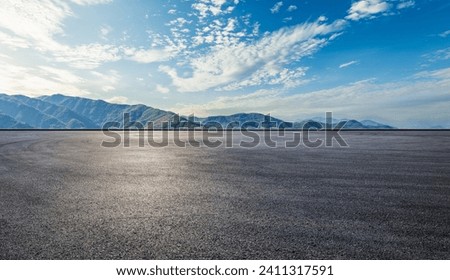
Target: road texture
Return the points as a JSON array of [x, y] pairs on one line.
[[63, 196]]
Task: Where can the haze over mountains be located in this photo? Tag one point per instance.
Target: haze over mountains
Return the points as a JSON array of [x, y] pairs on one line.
[[65, 112]]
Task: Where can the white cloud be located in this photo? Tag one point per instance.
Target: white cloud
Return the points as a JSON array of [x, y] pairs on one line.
[[254, 63], [36, 20], [205, 8], [162, 89], [437, 74], [118, 100], [150, 55], [367, 9], [222, 32], [172, 11], [291, 8], [180, 22], [91, 2], [37, 81], [276, 8], [108, 88], [272, 75], [322, 19], [60, 75], [106, 82], [85, 56], [13, 42], [35, 23], [405, 4], [347, 64]]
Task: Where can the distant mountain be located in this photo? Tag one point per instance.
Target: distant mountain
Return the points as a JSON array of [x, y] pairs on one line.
[[13, 107], [373, 124], [309, 124], [64, 112], [320, 122], [366, 124], [251, 120], [9, 122], [61, 116], [101, 112], [345, 124], [323, 120]]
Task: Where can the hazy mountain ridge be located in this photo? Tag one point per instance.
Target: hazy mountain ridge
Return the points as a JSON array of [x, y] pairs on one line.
[[248, 120], [9, 122], [13, 107], [101, 112], [64, 112]]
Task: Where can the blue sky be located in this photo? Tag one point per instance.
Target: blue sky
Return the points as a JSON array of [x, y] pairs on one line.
[[375, 59]]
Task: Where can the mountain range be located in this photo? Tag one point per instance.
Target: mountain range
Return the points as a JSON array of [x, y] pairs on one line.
[[65, 112]]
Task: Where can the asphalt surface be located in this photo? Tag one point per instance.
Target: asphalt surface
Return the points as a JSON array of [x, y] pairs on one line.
[[64, 196]]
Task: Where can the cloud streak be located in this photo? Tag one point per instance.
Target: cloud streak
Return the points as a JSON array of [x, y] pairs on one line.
[[347, 64], [276, 8], [445, 34]]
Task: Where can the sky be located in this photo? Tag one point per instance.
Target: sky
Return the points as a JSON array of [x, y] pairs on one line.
[[385, 60]]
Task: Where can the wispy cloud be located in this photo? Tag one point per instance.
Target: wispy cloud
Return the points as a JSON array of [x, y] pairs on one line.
[[31, 79], [162, 89], [444, 34], [38, 80], [291, 8], [405, 4], [118, 100], [91, 2], [107, 82], [36, 23], [276, 8], [89, 56], [438, 55], [367, 9], [223, 32], [13, 42], [37, 20], [148, 55], [59, 75], [262, 61], [205, 8], [347, 64]]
